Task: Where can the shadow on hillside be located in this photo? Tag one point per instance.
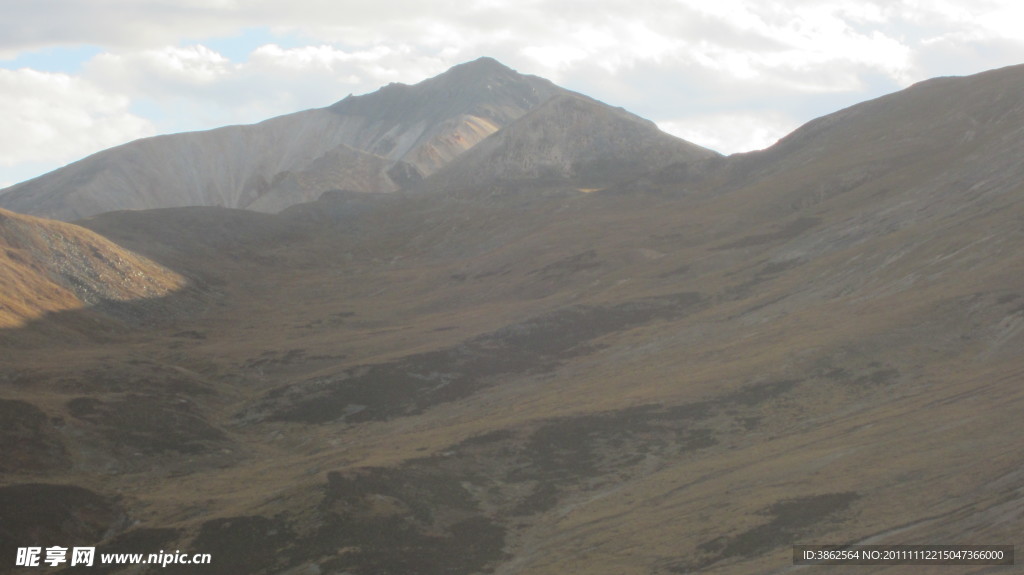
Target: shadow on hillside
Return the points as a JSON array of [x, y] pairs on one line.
[[411, 384], [112, 412], [108, 320]]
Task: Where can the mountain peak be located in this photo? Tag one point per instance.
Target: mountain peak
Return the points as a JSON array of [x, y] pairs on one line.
[[375, 142], [568, 138], [484, 79], [481, 66], [469, 77]]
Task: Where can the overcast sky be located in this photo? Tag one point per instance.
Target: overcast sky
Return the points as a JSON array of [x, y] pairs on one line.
[[78, 76]]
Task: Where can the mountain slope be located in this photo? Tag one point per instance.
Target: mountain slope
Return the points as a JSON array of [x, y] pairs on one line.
[[429, 124], [967, 127], [568, 138], [383, 140], [48, 266]]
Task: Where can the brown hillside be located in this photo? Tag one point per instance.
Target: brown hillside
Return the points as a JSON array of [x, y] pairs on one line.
[[50, 266], [690, 372]]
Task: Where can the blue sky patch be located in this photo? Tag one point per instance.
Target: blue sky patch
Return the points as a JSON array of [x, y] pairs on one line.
[[56, 59]]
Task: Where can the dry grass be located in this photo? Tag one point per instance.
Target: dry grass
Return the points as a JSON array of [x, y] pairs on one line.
[[850, 373], [48, 266]]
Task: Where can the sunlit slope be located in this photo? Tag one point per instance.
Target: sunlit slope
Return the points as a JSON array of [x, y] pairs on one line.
[[50, 266], [568, 139]]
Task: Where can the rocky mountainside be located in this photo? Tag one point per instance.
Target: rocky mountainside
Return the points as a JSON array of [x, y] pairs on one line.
[[373, 143], [48, 266], [691, 371], [568, 139]]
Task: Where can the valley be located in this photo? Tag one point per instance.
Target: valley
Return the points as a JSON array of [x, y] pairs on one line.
[[690, 366]]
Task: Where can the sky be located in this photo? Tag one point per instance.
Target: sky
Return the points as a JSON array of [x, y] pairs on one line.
[[79, 76]]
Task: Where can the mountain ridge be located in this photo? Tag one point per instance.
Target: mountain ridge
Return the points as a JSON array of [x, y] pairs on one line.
[[395, 135], [569, 138]]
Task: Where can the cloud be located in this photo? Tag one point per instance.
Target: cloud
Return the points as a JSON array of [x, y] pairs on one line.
[[59, 118], [121, 23], [154, 70], [367, 68], [194, 87], [730, 133], [804, 45]]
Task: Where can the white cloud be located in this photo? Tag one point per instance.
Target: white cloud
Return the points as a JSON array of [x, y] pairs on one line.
[[153, 71], [1003, 20], [816, 47], [366, 67], [731, 133], [60, 118], [194, 87]]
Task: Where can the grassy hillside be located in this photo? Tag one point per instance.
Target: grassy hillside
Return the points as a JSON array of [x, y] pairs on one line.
[[690, 372]]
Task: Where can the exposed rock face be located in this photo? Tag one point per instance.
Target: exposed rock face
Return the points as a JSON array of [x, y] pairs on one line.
[[377, 142]]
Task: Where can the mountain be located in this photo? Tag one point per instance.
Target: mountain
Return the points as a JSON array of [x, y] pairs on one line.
[[49, 266], [568, 138], [964, 128], [376, 142], [689, 371]]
